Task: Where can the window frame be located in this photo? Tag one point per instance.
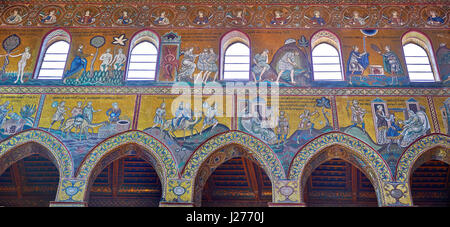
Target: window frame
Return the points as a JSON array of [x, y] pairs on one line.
[[238, 71], [331, 39], [155, 63], [145, 35], [423, 41], [51, 38], [226, 41]]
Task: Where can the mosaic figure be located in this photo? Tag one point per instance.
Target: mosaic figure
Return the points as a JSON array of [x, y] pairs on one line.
[[414, 127], [394, 19], [356, 19], [282, 128], [87, 18], [49, 18], [316, 19], [160, 116], [161, 19], [394, 130], [77, 111], [124, 19], [202, 65], [382, 125], [211, 65], [288, 63], [261, 65], [201, 18], [391, 62], [14, 18], [187, 65], [435, 19], [59, 114], [5, 108], [119, 59], [210, 116], [88, 112], [107, 59], [237, 17], [113, 113], [443, 61], [78, 63], [183, 120], [357, 62], [279, 18], [357, 116]]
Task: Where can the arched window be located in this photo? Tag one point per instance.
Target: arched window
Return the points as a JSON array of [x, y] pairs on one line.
[[419, 59], [143, 56], [326, 57], [235, 56], [142, 64], [417, 63], [53, 56]]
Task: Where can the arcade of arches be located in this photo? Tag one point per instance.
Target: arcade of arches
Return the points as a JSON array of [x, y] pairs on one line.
[[166, 103]]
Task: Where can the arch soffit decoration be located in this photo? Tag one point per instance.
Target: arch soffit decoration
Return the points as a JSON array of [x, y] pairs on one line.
[[260, 151], [422, 145], [357, 147], [162, 155], [54, 146]]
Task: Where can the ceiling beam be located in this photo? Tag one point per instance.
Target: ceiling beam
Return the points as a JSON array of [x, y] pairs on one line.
[[18, 180], [354, 183], [115, 178], [251, 177]]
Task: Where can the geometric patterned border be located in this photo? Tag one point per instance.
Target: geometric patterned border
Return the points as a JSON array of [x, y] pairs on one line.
[[167, 90], [415, 150], [158, 150], [356, 146], [255, 147], [53, 145]]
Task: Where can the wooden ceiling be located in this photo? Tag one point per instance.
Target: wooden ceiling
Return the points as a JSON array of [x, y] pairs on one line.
[[131, 181]]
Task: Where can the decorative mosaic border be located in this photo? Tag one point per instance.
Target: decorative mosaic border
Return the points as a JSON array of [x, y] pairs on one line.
[[282, 91], [256, 148], [362, 150], [221, 14], [415, 150], [237, 1], [158, 150], [53, 145]]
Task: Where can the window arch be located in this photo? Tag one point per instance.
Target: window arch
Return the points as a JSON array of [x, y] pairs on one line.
[[326, 56], [419, 58], [53, 55], [235, 56], [144, 49]]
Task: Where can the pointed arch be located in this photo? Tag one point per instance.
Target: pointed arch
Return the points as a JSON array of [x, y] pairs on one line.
[[417, 149], [260, 151], [361, 155], [359, 148], [145, 145], [57, 151], [155, 148]]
